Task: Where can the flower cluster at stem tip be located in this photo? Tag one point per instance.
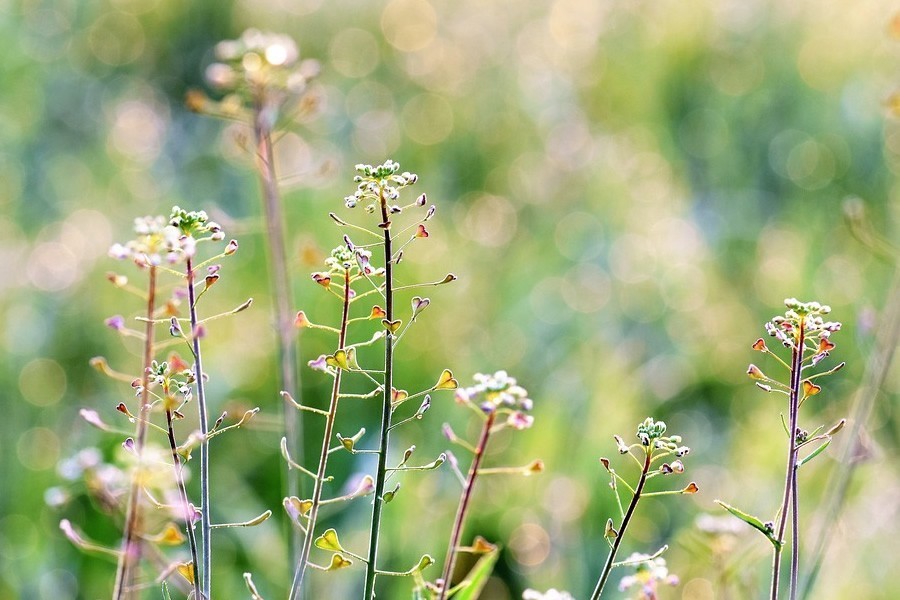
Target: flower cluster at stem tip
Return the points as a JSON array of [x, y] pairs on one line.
[[787, 328], [259, 63], [174, 377], [382, 182], [651, 432], [171, 241], [500, 393]]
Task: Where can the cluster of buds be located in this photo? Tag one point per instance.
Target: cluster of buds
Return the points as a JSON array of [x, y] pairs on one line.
[[805, 317], [802, 320], [649, 573], [174, 378], [651, 432], [499, 393], [382, 182], [158, 241]]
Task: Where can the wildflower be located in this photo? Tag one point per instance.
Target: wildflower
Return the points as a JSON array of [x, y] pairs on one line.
[[648, 574]]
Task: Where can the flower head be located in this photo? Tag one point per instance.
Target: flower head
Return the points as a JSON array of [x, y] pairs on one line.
[[499, 391], [259, 69], [648, 574]]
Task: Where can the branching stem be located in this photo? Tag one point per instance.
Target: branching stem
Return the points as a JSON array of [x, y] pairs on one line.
[[610, 560], [302, 562]]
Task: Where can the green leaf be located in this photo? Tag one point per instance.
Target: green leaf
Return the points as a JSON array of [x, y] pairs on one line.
[[752, 521], [165, 591], [471, 587], [814, 453]]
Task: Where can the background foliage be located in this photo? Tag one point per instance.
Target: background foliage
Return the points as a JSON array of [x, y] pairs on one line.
[[627, 191]]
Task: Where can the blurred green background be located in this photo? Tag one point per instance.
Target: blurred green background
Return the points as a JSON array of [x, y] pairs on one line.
[[626, 190]]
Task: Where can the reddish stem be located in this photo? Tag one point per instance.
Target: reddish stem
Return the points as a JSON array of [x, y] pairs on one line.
[[130, 555], [462, 509]]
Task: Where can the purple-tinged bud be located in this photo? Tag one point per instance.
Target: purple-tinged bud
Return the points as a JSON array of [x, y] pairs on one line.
[[116, 322], [421, 200], [128, 444], [520, 420], [231, 248], [447, 431], [119, 252], [319, 364]]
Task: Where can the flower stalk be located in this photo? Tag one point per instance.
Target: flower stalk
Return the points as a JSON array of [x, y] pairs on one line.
[[611, 558], [803, 330], [462, 509], [131, 551], [188, 513], [302, 562], [205, 525], [386, 398], [281, 289]]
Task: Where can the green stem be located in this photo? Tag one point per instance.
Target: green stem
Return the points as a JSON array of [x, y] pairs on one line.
[[465, 498], [185, 503], [369, 592], [130, 555], [790, 477], [302, 561], [288, 346], [607, 568], [205, 529]]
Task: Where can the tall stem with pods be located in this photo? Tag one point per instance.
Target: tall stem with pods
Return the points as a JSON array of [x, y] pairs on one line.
[[803, 330]]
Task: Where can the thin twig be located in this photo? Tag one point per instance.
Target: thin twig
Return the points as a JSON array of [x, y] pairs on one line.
[[288, 345], [300, 570], [205, 525], [465, 498], [131, 546]]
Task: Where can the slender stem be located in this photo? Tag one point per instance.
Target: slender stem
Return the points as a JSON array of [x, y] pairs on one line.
[[607, 568], [369, 592], [791, 469], [185, 503], [205, 529], [288, 346], [877, 368], [130, 555], [300, 570], [465, 498], [795, 535]]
